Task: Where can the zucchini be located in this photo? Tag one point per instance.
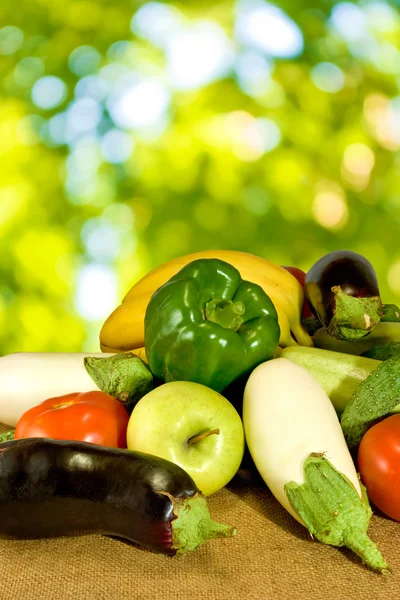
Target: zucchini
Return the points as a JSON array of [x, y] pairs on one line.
[[339, 374], [383, 333], [374, 399]]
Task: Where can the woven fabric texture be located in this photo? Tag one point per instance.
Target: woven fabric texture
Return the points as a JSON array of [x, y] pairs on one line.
[[271, 558]]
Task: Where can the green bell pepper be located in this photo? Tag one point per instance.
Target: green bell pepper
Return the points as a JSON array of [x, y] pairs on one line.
[[209, 326]]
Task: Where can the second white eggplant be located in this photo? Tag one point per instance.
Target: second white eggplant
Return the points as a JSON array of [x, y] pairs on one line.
[[28, 378], [297, 444]]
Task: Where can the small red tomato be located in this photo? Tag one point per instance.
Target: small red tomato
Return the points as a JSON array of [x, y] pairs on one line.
[[378, 463], [94, 417], [301, 278]]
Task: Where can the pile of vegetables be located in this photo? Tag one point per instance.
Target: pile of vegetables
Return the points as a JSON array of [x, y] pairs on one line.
[[303, 368]]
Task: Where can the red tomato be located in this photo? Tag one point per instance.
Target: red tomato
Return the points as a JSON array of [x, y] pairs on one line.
[[298, 273], [93, 417], [378, 463], [301, 278]]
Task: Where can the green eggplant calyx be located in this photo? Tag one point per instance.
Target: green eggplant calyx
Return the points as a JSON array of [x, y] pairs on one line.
[[333, 511], [226, 313], [193, 524], [353, 317], [390, 313], [124, 376]]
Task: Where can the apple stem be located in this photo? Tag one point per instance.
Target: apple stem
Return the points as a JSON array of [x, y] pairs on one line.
[[201, 436]]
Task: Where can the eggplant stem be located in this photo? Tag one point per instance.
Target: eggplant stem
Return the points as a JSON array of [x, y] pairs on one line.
[[353, 317], [201, 436]]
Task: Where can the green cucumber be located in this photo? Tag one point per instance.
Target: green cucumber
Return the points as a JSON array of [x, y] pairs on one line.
[[390, 350], [383, 333], [374, 399], [339, 374]]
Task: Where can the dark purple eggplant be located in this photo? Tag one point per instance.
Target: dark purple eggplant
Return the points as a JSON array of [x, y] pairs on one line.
[[51, 488], [342, 290]]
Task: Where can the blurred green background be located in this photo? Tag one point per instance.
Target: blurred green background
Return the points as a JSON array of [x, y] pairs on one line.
[[134, 132]]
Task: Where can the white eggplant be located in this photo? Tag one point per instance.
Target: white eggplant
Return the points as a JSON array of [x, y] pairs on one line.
[[297, 444], [26, 379]]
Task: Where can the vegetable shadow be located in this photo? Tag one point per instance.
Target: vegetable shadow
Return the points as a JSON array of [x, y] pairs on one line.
[[250, 487]]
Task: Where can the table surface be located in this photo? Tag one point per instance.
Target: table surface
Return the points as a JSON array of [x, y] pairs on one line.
[[271, 557]]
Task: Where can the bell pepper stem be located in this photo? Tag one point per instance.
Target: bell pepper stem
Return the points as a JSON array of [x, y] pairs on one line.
[[226, 313]]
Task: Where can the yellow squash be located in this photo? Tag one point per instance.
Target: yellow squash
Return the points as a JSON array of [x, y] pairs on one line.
[[124, 328]]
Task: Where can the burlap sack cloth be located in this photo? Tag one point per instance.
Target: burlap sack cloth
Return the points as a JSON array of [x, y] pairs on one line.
[[271, 558]]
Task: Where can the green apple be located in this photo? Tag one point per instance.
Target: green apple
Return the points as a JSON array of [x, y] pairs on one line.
[[192, 426]]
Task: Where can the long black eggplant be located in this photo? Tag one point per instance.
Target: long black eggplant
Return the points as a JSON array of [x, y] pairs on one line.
[[51, 488], [343, 292]]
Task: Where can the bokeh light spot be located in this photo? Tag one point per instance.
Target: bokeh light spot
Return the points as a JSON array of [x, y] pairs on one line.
[[84, 60], [349, 21], [140, 105], [83, 162], [122, 50], [358, 162], [198, 55], [156, 22], [269, 28], [11, 39], [380, 114], [28, 70], [102, 239], [49, 92], [329, 209], [117, 146], [386, 58], [57, 128], [83, 115], [381, 17], [251, 138], [327, 77], [120, 214], [28, 130], [253, 72], [96, 294], [13, 199], [92, 86], [256, 201], [394, 277]]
